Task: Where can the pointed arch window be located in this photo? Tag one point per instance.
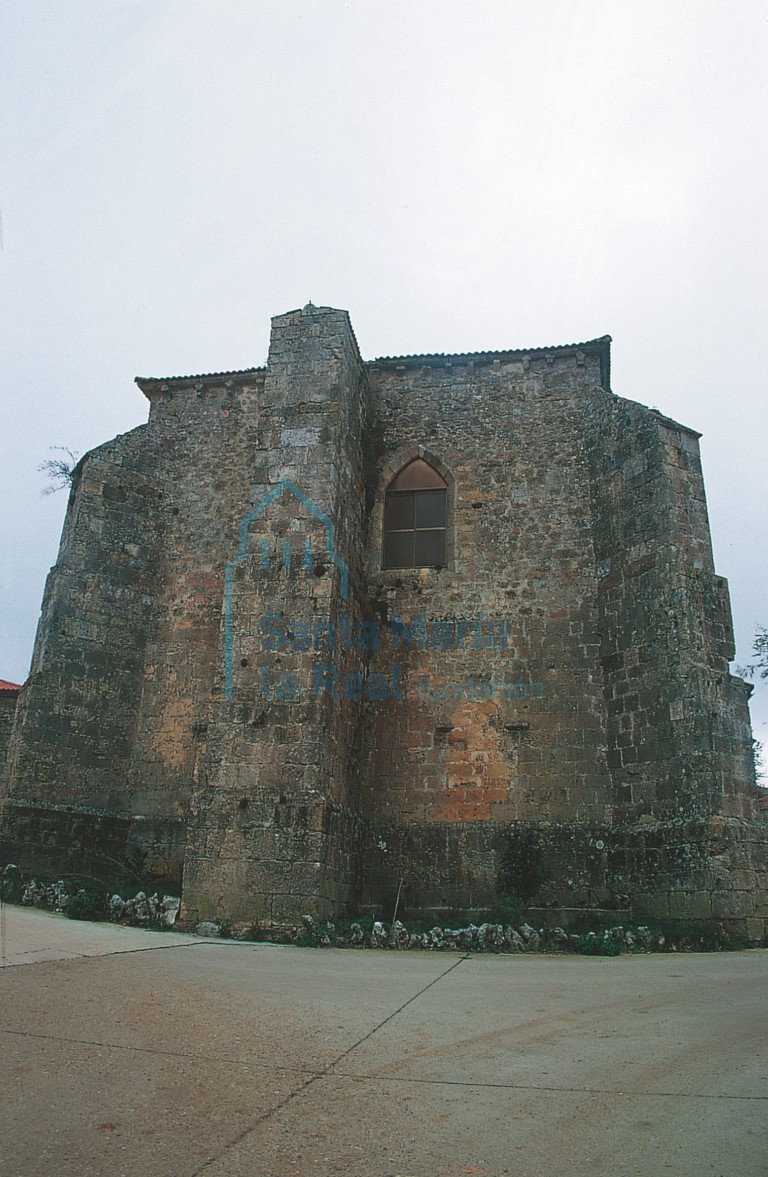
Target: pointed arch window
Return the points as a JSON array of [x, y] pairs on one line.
[[415, 513]]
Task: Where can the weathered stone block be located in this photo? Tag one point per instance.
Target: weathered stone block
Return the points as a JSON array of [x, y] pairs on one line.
[[692, 905]]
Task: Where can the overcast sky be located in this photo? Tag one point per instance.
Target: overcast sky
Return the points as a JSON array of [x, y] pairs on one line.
[[459, 175]]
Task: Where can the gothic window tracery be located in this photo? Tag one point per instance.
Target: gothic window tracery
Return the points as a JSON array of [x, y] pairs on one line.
[[415, 518]]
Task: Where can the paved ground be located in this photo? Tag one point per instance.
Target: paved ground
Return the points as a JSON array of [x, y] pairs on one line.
[[146, 1055]]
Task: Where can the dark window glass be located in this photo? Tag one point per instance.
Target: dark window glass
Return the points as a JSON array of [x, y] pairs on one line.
[[399, 513], [415, 518], [429, 548], [398, 549], [430, 508]]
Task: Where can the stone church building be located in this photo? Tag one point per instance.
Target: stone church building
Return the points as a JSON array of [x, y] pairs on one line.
[[446, 625]]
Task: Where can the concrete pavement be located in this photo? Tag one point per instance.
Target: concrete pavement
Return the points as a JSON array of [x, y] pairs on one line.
[[136, 1053]]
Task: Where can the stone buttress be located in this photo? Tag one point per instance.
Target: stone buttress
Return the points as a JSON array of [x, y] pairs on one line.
[[274, 825]]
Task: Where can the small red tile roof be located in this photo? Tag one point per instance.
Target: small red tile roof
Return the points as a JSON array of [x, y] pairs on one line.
[[9, 686]]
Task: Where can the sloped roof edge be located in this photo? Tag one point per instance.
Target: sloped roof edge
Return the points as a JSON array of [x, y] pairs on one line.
[[151, 383], [600, 346], [589, 345]]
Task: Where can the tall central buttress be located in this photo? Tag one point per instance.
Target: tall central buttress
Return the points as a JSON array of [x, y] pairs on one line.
[[274, 822]]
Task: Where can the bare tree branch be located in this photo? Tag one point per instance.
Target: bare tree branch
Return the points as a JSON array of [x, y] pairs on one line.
[[59, 471]]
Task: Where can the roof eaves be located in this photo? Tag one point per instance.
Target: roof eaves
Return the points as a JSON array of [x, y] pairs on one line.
[[600, 347], [591, 345], [672, 424], [149, 384]]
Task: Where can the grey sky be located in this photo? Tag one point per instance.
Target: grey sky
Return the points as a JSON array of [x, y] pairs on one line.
[[459, 175]]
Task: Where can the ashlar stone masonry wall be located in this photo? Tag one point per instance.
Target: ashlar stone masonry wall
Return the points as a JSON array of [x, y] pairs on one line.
[[8, 700]]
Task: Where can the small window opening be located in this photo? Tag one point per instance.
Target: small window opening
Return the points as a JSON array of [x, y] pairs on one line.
[[415, 509]]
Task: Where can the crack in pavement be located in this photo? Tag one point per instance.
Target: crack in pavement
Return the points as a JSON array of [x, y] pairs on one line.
[[328, 1072], [332, 1070], [6, 963], [539, 1087], [152, 1050], [322, 1073]]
